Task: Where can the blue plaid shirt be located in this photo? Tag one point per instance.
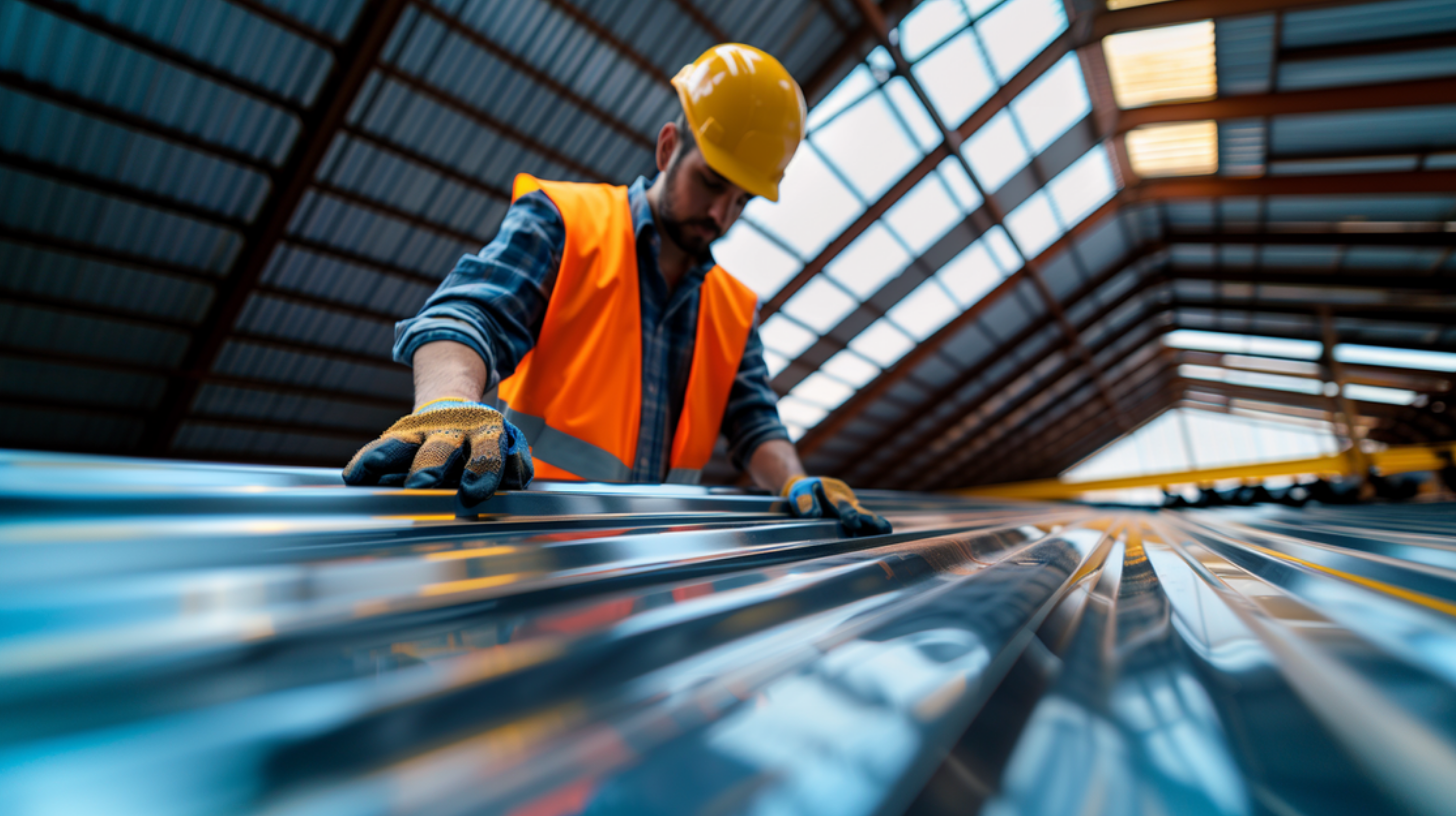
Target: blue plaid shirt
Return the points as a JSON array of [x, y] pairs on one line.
[[495, 302]]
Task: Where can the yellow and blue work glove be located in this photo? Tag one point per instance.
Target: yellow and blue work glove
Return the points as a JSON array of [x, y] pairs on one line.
[[447, 443], [823, 497]]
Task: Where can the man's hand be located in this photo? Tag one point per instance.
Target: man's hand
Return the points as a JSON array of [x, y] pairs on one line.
[[447, 443], [823, 497]]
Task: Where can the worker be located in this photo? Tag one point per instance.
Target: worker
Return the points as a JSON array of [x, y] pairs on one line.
[[619, 349]]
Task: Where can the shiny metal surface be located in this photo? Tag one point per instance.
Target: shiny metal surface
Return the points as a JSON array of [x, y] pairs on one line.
[[221, 640]]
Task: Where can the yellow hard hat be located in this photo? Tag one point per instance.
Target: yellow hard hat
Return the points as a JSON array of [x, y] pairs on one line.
[[746, 113]]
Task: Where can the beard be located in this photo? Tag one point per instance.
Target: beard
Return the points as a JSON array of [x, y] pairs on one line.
[[692, 241]]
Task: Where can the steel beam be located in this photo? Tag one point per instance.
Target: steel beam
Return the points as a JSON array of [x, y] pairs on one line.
[[1284, 103], [1352, 184], [320, 124]]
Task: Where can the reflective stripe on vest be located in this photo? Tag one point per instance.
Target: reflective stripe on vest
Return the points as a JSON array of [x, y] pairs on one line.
[[577, 394]]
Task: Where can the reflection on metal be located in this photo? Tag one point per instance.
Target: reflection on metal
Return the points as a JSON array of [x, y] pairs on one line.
[[1406, 459], [214, 640]]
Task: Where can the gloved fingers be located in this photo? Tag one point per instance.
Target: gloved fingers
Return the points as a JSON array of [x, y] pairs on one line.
[[384, 458], [518, 469], [858, 521], [438, 462], [486, 465], [804, 500]]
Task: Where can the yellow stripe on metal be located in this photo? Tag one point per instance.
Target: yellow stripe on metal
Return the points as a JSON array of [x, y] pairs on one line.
[[1387, 462], [1380, 586]]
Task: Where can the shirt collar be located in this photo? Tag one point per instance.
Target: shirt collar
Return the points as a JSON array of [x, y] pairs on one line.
[[644, 226]]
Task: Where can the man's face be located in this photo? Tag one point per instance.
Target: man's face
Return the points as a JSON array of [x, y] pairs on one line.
[[697, 205]]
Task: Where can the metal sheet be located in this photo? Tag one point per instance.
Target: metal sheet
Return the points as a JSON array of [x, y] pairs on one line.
[[194, 639]]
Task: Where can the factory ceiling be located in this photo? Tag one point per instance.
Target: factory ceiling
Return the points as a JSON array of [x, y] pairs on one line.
[[214, 211]]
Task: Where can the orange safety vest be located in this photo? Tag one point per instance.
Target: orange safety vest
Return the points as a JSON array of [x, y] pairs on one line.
[[578, 394]]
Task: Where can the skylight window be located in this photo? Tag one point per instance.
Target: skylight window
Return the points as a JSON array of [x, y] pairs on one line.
[[924, 214], [882, 343], [1083, 187], [755, 260], [785, 336], [820, 305], [850, 368], [1395, 358], [1034, 225], [1243, 344], [955, 78], [1052, 104], [996, 152], [971, 274], [849, 90], [869, 146], [1183, 149], [865, 265], [960, 184], [1212, 440], [1168, 64], [924, 311], [776, 362], [1002, 250], [813, 207], [1374, 393], [921, 126], [1018, 31], [928, 24], [823, 391], [1253, 379], [794, 411]]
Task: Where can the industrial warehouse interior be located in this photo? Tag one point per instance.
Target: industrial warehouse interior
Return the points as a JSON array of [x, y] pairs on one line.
[[553, 407]]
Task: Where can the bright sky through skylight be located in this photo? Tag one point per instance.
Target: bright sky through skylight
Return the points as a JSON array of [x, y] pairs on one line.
[[996, 152], [924, 214], [971, 274], [1033, 224], [1053, 103], [785, 336], [955, 78], [882, 343], [820, 305], [928, 24], [1243, 344], [1375, 393], [1396, 358], [922, 312], [850, 368], [813, 207], [869, 261], [754, 259], [1187, 439], [869, 146], [1018, 31]]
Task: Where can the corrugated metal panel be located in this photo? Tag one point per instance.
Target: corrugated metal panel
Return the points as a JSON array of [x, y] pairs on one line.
[[1241, 147], [126, 289], [226, 36], [33, 203], [249, 360], [301, 270], [39, 130], [1245, 54], [1372, 21], [78, 385], [311, 326], [1369, 69], [95, 66], [1341, 134], [47, 329]]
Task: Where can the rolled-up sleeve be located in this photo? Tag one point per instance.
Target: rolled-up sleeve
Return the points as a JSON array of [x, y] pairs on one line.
[[494, 301], [752, 416]]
